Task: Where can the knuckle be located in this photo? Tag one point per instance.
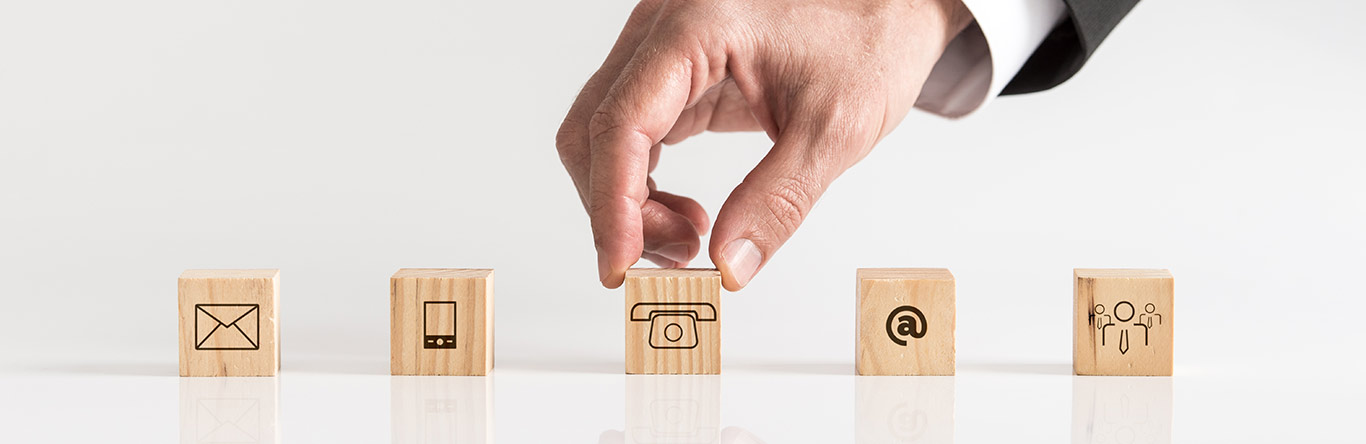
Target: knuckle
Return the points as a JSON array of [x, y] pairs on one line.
[[844, 128], [607, 124], [569, 142], [568, 136], [604, 205], [598, 201], [845, 120], [788, 203]]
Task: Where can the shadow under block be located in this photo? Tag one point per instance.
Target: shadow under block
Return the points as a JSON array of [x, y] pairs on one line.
[[1122, 322], [441, 322], [673, 321], [229, 322], [906, 322]]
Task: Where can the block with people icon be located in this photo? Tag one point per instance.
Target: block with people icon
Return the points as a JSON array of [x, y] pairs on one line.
[[441, 322], [906, 322], [1122, 322], [673, 321], [229, 322]]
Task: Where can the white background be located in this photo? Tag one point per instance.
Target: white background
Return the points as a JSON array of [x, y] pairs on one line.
[[342, 140]]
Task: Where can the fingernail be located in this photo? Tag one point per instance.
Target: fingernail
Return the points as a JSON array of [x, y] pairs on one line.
[[662, 262], [677, 253], [743, 258]]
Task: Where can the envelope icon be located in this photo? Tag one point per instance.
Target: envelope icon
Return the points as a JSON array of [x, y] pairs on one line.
[[228, 421], [227, 326]]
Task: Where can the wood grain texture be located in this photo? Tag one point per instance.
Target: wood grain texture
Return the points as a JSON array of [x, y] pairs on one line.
[[673, 321], [903, 291], [422, 302], [229, 322], [1123, 322]]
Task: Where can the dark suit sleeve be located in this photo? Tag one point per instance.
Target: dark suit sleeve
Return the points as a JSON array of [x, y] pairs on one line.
[[1066, 49]]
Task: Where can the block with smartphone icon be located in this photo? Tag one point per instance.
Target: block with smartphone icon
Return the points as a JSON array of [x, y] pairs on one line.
[[229, 323], [906, 322], [673, 322], [441, 321]]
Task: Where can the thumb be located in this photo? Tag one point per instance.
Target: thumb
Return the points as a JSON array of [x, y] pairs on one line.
[[764, 211]]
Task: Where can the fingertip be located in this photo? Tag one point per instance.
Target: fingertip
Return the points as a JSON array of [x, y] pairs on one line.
[[677, 253], [662, 262], [687, 207], [738, 262], [611, 275], [605, 271], [702, 223], [669, 236], [613, 281], [728, 280]]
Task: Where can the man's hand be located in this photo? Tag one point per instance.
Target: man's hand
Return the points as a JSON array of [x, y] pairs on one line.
[[826, 79]]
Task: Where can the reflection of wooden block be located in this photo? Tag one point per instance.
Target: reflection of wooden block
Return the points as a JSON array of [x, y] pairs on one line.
[[229, 323], [683, 409], [442, 322], [433, 409], [230, 410], [673, 321], [1122, 410], [1123, 322], [903, 410], [906, 321]]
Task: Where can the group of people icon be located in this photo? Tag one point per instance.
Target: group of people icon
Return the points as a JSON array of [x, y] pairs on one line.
[[1123, 313]]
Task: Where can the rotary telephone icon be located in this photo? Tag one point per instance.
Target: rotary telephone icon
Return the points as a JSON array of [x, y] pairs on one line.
[[673, 325]]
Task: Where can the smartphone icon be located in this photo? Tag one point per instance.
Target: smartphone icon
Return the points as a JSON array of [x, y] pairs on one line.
[[438, 324], [673, 325]]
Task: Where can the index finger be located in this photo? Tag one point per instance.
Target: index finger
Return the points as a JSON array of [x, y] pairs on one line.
[[637, 113]]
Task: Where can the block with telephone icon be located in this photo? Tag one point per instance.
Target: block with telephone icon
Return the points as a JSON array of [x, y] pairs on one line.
[[229, 323], [673, 323], [906, 322], [441, 322]]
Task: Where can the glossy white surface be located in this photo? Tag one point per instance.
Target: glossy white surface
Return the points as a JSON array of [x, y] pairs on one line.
[[342, 140], [748, 403]]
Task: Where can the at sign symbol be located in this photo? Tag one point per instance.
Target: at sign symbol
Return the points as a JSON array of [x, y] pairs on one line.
[[906, 321]]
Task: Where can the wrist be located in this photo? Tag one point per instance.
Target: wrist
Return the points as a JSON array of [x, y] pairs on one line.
[[944, 19]]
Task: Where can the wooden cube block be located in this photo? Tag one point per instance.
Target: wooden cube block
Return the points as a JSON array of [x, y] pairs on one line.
[[1123, 322], [229, 322], [906, 321], [673, 321], [441, 322]]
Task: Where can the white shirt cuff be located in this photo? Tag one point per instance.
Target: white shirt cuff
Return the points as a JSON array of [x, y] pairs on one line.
[[981, 60]]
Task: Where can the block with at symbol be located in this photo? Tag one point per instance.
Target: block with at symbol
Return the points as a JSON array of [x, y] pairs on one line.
[[906, 321]]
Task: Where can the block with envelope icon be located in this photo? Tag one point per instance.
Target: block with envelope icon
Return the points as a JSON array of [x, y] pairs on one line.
[[229, 323], [441, 321]]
